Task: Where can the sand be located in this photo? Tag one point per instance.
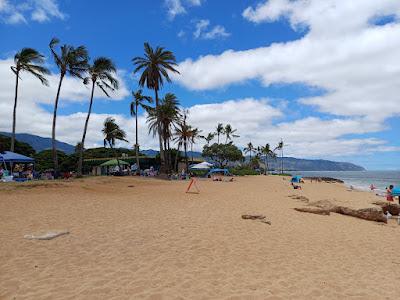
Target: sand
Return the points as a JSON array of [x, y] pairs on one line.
[[133, 238]]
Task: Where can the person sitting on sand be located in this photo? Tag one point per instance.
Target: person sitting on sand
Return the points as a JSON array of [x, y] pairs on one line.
[[296, 187], [389, 195]]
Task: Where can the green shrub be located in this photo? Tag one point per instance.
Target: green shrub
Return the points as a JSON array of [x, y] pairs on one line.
[[242, 171]]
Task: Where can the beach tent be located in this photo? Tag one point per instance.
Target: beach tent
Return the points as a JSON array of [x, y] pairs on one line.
[[12, 157], [296, 179], [201, 166], [223, 171], [113, 163], [396, 191]]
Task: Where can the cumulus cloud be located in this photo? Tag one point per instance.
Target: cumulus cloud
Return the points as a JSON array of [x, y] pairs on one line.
[[202, 31], [257, 120], [354, 61], [37, 10], [177, 7]]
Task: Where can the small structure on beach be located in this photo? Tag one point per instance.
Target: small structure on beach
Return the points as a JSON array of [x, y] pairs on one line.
[[13, 164], [109, 167]]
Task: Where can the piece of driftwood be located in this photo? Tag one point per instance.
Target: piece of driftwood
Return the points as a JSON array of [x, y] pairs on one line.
[[393, 208], [45, 236], [312, 210], [370, 214], [253, 217]]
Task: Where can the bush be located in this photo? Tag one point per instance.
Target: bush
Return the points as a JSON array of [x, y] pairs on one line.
[[242, 171]]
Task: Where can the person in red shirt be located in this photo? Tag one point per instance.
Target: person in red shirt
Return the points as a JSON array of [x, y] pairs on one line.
[[389, 195]]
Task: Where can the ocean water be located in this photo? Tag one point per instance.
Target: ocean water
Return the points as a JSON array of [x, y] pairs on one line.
[[359, 179]]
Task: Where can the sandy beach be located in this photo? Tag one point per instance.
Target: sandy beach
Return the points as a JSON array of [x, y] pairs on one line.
[[135, 238]]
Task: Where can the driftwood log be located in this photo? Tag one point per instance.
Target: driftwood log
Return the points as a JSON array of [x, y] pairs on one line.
[[392, 208], [312, 210], [253, 217], [370, 214]]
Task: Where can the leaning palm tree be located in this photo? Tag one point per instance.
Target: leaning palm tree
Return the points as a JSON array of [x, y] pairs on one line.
[[249, 149], [161, 119], [31, 61], [112, 133], [72, 61], [139, 100], [101, 74], [229, 133], [220, 131], [155, 66]]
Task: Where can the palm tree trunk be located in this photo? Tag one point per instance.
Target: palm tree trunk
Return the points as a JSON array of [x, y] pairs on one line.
[[14, 113], [218, 137], [169, 156], [191, 150], [53, 131], [266, 164], [186, 157], [176, 158], [162, 158], [80, 163], [137, 142]]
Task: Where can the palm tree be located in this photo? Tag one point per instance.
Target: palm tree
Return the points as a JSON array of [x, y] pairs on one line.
[[101, 73], [155, 66], [31, 61], [229, 133], [208, 138], [220, 131], [112, 133], [183, 133], [280, 147], [73, 61], [161, 120], [249, 149], [139, 100], [195, 134], [266, 152]]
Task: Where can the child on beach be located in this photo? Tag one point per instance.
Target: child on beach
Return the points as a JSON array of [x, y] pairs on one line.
[[389, 196]]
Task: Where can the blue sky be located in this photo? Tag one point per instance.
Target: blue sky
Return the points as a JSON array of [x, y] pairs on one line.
[[273, 69]]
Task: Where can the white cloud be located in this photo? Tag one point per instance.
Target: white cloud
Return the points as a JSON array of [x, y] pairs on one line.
[[201, 31], [174, 8], [38, 10], [354, 61], [181, 34], [177, 7], [255, 119]]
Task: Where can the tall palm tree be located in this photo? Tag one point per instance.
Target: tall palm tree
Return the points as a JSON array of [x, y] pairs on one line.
[[280, 148], [139, 100], [249, 149], [31, 61], [183, 134], [229, 133], [112, 133], [72, 61], [220, 131], [101, 74], [208, 138], [155, 66], [267, 153], [195, 134], [161, 119]]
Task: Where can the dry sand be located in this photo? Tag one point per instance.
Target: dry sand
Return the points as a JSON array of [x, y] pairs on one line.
[[134, 238]]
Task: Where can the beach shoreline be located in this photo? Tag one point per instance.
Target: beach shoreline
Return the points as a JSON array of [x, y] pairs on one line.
[[131, 237]]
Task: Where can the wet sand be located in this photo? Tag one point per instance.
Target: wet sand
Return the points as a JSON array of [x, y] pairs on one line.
[[133, 238]]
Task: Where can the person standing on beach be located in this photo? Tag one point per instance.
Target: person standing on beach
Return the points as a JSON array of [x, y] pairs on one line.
[[389, 195]]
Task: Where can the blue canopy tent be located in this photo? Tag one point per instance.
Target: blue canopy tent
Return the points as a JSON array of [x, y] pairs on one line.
[[12, 157], [223, 171], [296, 179], [8, 157], [396, 191]]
